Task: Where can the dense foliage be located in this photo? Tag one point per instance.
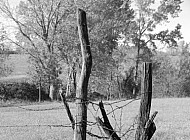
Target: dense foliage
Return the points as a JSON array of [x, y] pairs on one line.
[[171, 73], [22, 91], [5, 69]]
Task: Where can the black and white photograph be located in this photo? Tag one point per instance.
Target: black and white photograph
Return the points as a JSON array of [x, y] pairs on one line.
[[94, 69]]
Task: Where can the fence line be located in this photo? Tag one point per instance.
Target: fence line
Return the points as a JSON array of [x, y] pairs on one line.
[[47, 109], [69, 125], [45, 125]]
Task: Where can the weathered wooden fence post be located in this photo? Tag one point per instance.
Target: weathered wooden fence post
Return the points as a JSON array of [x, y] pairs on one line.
[[146, 126], [81, 93]]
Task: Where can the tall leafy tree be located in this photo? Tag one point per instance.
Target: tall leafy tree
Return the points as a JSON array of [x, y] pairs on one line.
[[106, 20], [38, 23], [142, 35], [5, 69], [165, 76], [183, 56]]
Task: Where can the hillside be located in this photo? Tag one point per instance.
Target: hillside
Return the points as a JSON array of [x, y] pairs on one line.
[[20, 67]]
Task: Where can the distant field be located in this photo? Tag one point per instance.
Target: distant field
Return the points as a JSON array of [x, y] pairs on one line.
[[20, 67], [172, 120], [20, 63]]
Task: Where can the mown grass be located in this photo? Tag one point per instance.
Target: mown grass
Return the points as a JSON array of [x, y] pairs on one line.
[[172, 121]]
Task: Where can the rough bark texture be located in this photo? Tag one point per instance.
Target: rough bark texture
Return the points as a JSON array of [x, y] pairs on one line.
[[145, 105], [81, 94], [108, 129]]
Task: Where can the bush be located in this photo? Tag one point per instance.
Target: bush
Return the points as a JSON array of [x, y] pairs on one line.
[[23, 91], [94, 96]]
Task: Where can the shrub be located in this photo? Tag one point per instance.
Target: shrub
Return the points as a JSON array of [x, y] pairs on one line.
[[23, 91], [96, 96]]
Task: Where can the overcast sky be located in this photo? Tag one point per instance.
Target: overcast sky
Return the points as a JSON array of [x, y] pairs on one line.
[[183, 19]]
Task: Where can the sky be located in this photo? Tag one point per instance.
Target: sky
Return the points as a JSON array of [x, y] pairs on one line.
[[183, 19]]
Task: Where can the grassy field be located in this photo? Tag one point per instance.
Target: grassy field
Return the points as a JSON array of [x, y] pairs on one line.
[[20, 63], [20, 68], [172, 121]]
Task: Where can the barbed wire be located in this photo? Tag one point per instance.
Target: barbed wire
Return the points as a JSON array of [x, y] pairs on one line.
[[45, 125], [46, 109], [90, 124], [119, 107]]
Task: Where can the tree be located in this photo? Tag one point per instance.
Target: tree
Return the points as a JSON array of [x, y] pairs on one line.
[[104, 28], [166, 81], [106, 20], [5, 69], [142, 35], [38, 23], [183, 67], [69, 48], [171, 72]]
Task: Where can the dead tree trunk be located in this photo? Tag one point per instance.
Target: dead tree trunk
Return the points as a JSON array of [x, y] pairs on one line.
[[81, 94], [146, 126]]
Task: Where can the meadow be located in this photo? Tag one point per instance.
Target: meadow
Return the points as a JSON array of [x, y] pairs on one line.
[[19, 62], [172, 120], [20, 67]]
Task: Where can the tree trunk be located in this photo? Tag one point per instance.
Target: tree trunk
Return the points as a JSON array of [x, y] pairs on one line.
[[71, 81], [136, 69], [52, 91], [39, 97], [81, 94], [53, 81], [68, 89], [74, 76]]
